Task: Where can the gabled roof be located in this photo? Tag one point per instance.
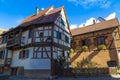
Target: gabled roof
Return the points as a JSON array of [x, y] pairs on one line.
[[2, 30], [45, 16], [48, 15], [96, 27]]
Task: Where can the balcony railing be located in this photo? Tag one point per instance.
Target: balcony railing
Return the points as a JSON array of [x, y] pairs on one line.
[[14, 41], [3, 45]]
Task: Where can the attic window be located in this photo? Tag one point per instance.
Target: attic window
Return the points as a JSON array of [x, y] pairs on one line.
[[62, 22]]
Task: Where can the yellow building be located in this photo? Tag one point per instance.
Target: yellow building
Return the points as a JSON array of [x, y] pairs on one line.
[[96, 45]]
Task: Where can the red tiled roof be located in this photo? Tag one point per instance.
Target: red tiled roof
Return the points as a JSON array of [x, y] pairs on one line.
[[96, 27], [42, 17], [47, 15]]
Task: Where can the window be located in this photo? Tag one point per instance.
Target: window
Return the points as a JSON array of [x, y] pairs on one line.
[[30, 33], [0, 40], [101, 40], [66, 39], [58, 35], [84, 42], [62, 22], [111, 63], [2, 54], [24, 54], [4, 39], [41, 34], [22, 40], [49, 39]]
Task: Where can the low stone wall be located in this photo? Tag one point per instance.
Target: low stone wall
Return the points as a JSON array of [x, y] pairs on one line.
[[89, 71]]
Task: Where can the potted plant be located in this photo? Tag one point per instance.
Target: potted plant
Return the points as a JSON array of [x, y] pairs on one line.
[[101, 47], [72, 50], [84, 48], [118, 70]]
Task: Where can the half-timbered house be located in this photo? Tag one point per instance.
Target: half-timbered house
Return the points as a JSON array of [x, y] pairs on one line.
[[2, 50], [96, 45], [33, 47]]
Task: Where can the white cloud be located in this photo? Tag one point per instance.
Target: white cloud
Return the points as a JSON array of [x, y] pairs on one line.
[[88, 22], [92, 3], [3, 29], [73, 26], [111, 16]]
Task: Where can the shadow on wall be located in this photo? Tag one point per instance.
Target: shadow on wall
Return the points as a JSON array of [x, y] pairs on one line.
[[87, 62], [75, 56]]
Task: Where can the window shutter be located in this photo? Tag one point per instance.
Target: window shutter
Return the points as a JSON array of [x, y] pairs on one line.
[[3, 54], [20, 55], [80, 43], [95, 41], [89, 42], [27, 53], [107, 40]]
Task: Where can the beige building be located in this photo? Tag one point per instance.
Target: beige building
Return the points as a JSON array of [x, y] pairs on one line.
[[96, 45]]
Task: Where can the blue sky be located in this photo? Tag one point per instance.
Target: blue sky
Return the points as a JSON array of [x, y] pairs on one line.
[[12, 12]]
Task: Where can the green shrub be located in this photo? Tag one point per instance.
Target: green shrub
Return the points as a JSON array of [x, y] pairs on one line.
[[118, 70], [101, 47], [72, 50], [84, 48]]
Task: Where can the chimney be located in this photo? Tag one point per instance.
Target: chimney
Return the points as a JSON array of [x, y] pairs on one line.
[[83, 25], [42, 8], [93, 21], [37, 10]]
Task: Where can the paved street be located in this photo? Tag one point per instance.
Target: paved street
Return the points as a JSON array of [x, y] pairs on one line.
[[90, 78], [112, 77]]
